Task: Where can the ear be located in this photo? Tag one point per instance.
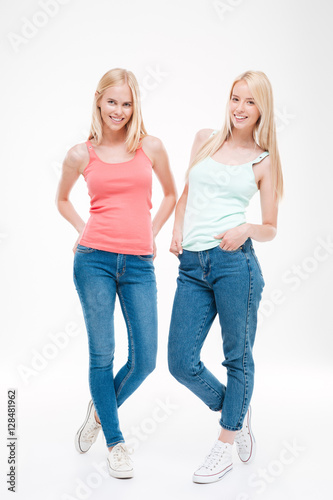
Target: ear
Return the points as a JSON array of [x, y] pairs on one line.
[[97, 93]]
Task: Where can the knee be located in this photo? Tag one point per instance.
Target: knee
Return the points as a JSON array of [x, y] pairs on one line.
[[179, 369], [101, 361], [144, 367]]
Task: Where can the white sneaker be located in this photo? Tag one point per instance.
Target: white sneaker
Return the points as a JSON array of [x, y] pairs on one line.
[[245, 442], [216, 465], [88, 432], [119, 463]]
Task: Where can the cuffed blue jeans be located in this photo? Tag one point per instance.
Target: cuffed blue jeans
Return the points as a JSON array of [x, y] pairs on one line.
[[99, 276], [230, 284]]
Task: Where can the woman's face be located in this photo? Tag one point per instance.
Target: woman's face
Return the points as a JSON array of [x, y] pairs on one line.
[[116, 106], [244, 113]]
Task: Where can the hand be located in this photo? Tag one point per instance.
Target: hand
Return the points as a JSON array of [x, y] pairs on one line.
[[234, 238], [176, 243]]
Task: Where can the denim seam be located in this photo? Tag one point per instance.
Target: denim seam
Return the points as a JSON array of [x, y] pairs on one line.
[[115, 442], [246, 347], [239, 249], [147, 259], [257, 261], [89, 250], [131, 345], [204, 275], [201, 380], [119, 275]]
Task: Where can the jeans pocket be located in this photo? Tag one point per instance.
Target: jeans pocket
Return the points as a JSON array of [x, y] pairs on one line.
[[83, 249], [230, 251], [147, 258]]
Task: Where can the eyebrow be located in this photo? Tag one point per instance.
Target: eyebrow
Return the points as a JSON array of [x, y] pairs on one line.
[[248, 98]]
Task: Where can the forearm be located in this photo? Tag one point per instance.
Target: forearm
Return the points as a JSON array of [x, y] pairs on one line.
[[179, 215], [261, 232], [162, 215], [67, 210]]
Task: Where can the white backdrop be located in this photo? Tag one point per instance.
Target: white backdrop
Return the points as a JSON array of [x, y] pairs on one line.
[[185, 55]]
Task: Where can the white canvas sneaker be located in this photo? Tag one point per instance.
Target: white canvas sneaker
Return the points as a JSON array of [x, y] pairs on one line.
[[88, 432], [245, 442], [216, 465], [119, 463]]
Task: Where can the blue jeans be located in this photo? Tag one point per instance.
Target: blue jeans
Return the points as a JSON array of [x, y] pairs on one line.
[[99, 276], [229, 283]]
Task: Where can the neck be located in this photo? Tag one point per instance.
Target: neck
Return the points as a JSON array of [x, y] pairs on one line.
[[241, 138], [111, 137]]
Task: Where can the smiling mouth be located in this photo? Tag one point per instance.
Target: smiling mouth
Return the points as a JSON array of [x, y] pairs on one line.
[[116, 120], [239, 117]]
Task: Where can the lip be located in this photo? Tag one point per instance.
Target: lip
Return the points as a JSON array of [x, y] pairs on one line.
[[240, 120], [116, 121]]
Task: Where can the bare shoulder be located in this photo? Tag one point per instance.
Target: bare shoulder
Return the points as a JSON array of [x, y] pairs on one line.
[[265, 163], [77, 157], [263, 171], [202, 136], [152, 144]]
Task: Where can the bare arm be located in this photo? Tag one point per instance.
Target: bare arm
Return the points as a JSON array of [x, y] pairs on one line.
[[266, 231], [177, 233], [75, 161], [155, 150]]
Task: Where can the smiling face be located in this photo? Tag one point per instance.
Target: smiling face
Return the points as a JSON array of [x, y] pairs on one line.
[[116, 105], [244, 113]]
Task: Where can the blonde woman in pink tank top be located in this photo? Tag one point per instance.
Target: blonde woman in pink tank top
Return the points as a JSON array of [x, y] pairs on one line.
[[114, 252]]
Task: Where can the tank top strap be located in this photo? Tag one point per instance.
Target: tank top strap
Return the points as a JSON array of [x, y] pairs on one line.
[[213, 133], [91, 150], [260, 157]]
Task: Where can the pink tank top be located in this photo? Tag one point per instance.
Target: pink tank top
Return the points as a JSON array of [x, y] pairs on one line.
[[120, 203]]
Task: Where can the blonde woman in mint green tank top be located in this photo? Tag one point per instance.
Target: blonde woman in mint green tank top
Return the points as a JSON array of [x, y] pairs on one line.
[[219, 273]]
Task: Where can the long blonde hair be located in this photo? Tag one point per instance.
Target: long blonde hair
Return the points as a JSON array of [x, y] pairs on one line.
[[135, 128], [264, 132]]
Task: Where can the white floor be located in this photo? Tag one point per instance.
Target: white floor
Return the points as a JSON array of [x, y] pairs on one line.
[[171, 432]]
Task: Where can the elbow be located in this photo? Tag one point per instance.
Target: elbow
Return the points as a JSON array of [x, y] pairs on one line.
[[172, 199], [273, 231], [59, 203]]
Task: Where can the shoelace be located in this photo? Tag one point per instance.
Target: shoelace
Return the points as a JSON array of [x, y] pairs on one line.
[[121, 456], [89, 434], [241, 440], [214, 456]]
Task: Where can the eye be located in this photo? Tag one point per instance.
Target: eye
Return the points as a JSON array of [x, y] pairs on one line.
[[234, 99], [110, 101], [250, 102], [127, 104]]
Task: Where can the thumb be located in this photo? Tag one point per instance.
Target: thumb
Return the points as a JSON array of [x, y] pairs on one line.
[[219, 236]]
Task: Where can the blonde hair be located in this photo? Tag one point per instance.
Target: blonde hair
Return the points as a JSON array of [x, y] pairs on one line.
[[135, 128], [264, 132]]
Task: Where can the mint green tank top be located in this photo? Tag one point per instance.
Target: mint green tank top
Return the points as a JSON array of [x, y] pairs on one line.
[[218, 196]]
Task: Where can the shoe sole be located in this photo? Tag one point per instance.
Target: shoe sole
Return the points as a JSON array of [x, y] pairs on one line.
[[253, 451], [78, 434], [120, 474], [213, 478]]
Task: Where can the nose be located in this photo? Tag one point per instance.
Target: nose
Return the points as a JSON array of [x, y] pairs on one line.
[[118, 110], [240, 107]]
